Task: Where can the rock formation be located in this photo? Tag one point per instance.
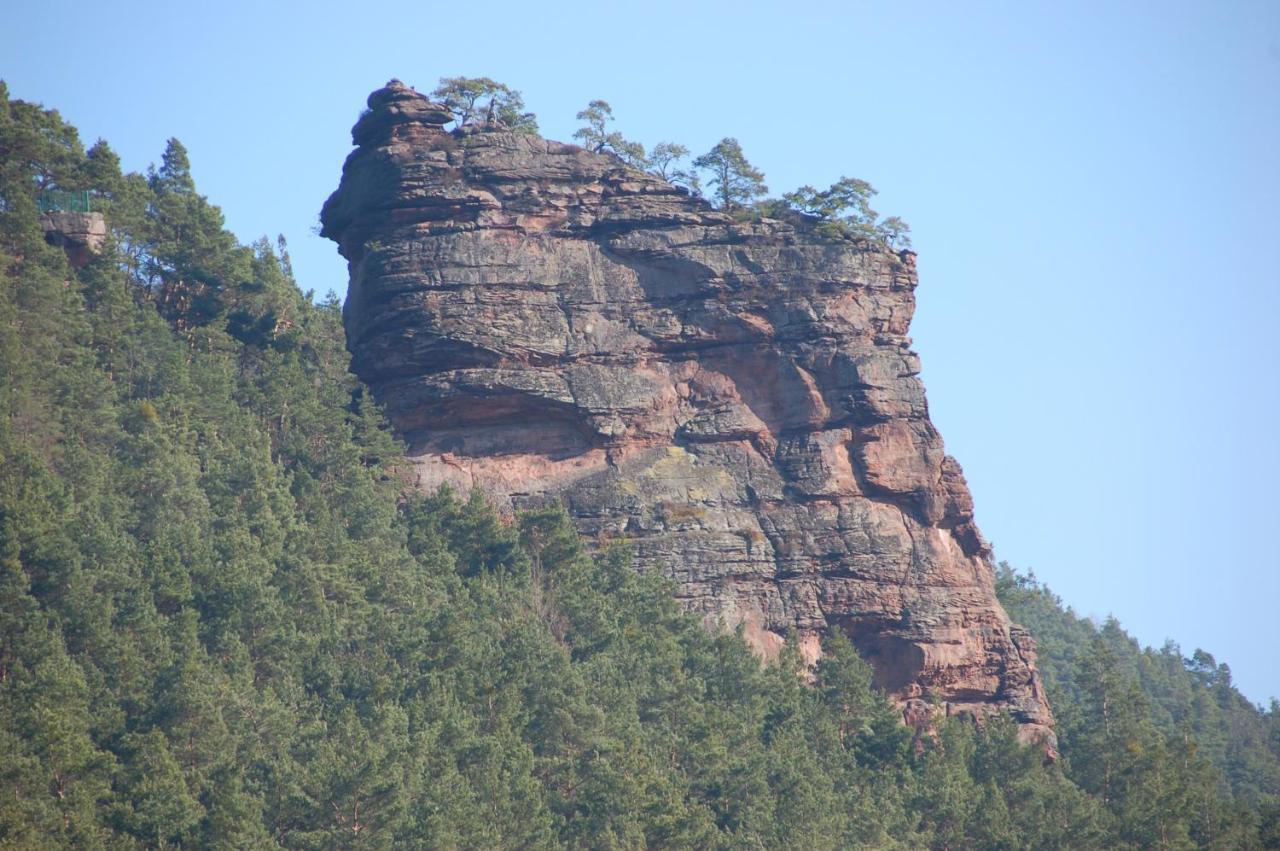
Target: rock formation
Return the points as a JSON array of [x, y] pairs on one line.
[[738, 400], [81, 235]]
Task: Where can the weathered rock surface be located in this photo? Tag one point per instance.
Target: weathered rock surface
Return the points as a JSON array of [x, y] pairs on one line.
[[738, 400], [81, 235]]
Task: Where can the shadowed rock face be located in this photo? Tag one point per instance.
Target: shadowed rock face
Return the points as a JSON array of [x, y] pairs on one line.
[[737, 400]]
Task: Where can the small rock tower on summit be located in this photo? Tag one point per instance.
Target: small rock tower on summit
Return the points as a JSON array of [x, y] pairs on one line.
[[397, 105], [738, 400], [79, 231]]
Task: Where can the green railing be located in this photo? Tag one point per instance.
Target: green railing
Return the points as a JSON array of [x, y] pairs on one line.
[[52, 200]]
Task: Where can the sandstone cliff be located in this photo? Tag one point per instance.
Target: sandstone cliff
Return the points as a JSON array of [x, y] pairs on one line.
[[737, 400]]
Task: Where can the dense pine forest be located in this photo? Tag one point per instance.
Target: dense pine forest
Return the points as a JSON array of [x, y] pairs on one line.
[[227, 622]]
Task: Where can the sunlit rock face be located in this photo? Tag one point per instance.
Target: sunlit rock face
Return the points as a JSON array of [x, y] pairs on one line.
[[739, 401]]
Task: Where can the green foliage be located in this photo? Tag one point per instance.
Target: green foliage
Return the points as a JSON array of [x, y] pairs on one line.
[[734, 181], [894, 232], [225, 622], [844, 210], [40, 151], [663, 160], [596, 137], [1176, 754], [848, 200], [485, 102]]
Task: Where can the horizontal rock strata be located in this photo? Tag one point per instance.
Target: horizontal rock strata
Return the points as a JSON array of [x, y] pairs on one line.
[[738, 400]]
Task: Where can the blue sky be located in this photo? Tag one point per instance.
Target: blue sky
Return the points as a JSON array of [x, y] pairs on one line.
[[1094, 190]]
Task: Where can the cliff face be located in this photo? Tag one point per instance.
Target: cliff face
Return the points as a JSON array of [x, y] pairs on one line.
[[737, 400]]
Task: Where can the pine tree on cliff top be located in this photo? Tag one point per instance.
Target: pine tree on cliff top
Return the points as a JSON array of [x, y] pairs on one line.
[[734, 181]]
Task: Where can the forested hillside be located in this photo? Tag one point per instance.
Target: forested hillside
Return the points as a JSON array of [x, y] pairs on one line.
[[1122, 707], [226, 622]]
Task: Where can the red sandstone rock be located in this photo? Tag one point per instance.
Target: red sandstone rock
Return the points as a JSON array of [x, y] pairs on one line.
[[739, 400]]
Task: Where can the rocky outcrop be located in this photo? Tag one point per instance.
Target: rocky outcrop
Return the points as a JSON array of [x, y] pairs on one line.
[[81, 235], [738, 400]]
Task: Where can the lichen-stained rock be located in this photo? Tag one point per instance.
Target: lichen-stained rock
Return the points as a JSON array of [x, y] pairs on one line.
[[739, 400]]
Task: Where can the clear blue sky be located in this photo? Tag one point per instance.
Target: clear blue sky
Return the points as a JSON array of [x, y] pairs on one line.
[[1094, 189]]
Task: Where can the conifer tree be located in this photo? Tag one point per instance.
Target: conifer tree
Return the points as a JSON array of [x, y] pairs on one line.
[[485, 102], [662, 161], [735, 182], [596, 137]]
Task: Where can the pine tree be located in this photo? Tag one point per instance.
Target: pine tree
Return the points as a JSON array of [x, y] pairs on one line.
[[595, 137], [735, 181]]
